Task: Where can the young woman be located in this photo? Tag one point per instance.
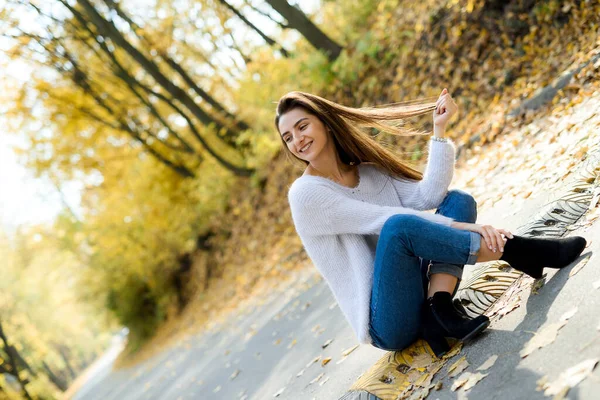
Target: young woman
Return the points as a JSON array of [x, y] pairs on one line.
[[360, 213]]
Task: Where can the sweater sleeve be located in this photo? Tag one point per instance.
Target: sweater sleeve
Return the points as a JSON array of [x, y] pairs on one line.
[[320, 210], [431, 190]]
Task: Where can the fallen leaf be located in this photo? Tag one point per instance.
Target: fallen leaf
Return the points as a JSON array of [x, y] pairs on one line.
[[458, 367], [348, 351], [544, 337], [571, 377], [317, 378], [488, 363], [578, 267], [473, 380], [421, 360], [460, 381], [453, 351], [424, 380], [234, 375], [541, 383], [538, 284], [568, 314], [414, 375], [325, 361], [314, 360], [292, 344], [561, 394]]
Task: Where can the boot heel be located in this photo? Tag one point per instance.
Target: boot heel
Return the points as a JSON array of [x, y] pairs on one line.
[[439, 344]]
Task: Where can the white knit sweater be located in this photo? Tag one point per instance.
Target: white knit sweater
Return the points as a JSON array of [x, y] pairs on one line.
[[339, 226]]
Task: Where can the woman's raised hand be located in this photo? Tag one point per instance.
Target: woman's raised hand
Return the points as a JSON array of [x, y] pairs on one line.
[[444, 110], [492, 236]]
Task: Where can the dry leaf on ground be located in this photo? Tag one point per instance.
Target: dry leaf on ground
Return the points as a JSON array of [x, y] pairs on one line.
[[421, 360], [314, 360], [568, 314], [234, 374], [453, 351], [570, 378], [461, 380], [488, 363], [473, 380], [458, 367], [348, 351], [579, 267], [317, 378], [467, 380], [544, 337]]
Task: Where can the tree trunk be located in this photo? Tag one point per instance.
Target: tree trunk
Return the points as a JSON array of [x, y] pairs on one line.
[[107, 28], [298, 20], [267, 39], [59, 382], [13, 358]]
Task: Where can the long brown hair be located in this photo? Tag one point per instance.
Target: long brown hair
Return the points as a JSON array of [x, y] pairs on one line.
[[353, 144]]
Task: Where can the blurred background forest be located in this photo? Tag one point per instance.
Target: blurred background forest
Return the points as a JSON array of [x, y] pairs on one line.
[[162, 112]]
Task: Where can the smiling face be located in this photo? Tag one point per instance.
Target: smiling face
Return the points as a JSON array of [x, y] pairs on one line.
[[298, 128]]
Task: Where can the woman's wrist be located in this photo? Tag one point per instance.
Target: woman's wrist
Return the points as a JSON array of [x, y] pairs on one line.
[[459, 225], [439, 131], [455, 224]]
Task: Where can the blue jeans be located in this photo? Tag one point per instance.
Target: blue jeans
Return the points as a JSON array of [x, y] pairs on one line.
[[406, 245]]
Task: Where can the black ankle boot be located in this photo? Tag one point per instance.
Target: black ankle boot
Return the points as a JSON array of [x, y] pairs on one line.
[[531, 255], [460, 308], [441, 320]]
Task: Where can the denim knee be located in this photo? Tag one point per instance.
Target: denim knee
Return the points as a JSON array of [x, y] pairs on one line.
[[463, 201], [463, 197], [400, 223]]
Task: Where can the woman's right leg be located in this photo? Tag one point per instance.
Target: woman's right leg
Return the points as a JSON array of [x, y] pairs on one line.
[[397, 296]]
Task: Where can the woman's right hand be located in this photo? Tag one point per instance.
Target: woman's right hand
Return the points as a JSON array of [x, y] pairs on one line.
[[492, 236]]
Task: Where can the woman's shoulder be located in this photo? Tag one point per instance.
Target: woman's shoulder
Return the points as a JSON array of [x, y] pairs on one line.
[[310, 191]]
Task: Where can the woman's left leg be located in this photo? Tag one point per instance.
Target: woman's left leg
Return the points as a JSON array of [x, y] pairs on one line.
[[462, 207]]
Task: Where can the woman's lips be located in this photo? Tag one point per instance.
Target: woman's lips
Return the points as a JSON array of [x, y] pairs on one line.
[[309, 146]]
